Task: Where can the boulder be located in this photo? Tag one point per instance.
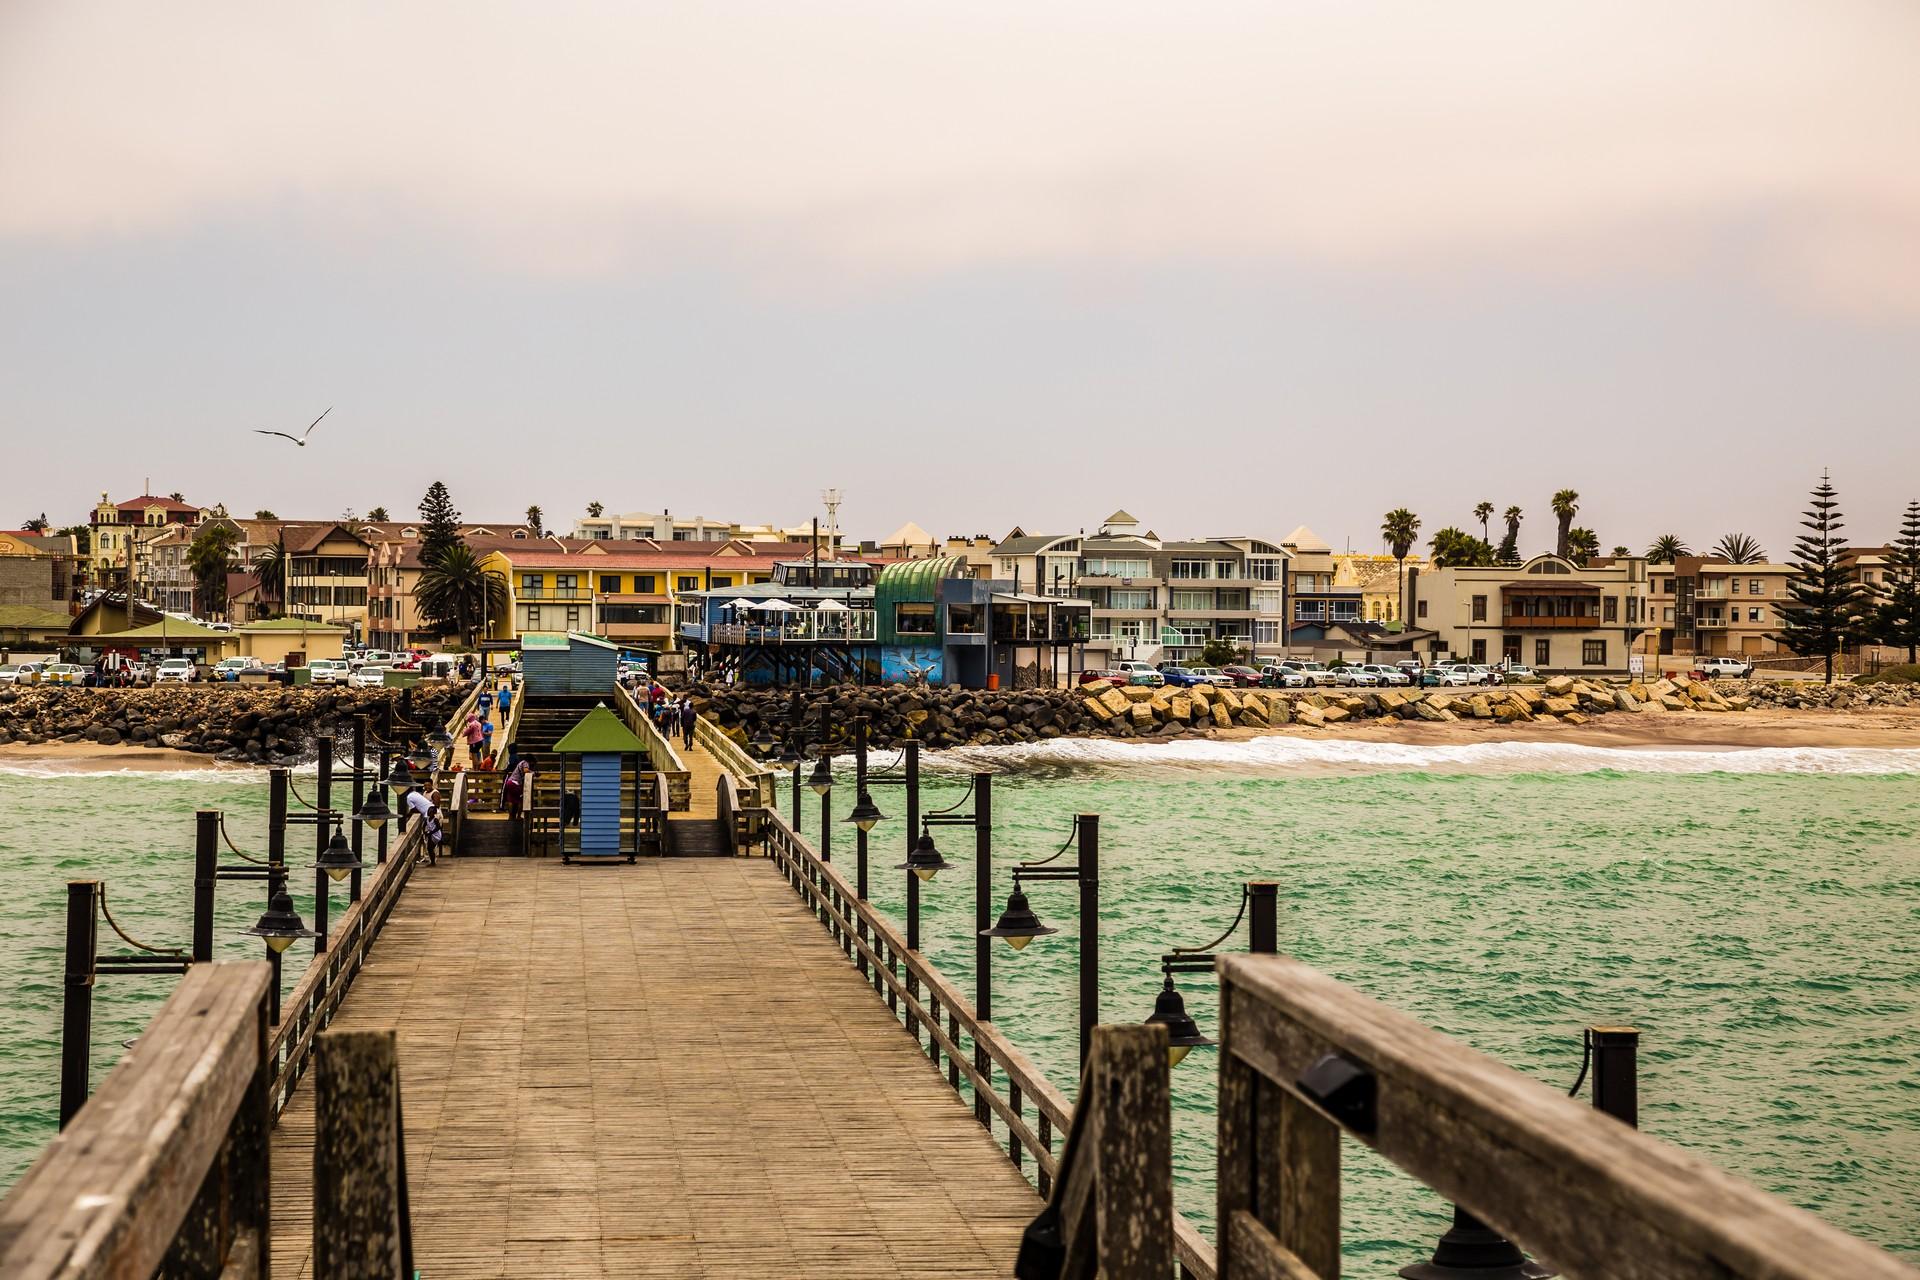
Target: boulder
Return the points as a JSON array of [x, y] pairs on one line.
[[1559, 706], [1559, 686], [1307, 714], [1625, 701], [1479, 708], [1222, 718], [1574, 717]]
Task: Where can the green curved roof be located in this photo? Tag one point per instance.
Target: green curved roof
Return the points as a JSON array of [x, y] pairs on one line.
[[912, 581]]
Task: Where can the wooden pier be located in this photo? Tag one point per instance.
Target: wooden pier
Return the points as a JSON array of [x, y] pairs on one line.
[[660, 1069]]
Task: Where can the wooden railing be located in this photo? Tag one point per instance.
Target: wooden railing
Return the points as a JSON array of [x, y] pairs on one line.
[[943, 1021], [660, 750], [755, 780], [1304, 1060], [316, 998], [164, 1171]]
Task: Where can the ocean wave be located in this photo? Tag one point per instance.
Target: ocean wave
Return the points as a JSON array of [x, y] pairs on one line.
[[1327, 756], [96, 768]]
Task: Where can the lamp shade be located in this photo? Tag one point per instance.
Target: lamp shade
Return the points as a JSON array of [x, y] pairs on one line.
[[374, 810], [402, 779], [280, 925], [1018, 925], [1170, 1011], [338, 859], [865, 813], [925, 860], [821, 779]]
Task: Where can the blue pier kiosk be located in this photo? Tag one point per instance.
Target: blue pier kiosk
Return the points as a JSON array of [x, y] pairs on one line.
[[600, 761]]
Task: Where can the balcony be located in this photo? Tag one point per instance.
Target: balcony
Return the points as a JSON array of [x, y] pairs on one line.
[[857, 627], [554, 593], [1532, 622]]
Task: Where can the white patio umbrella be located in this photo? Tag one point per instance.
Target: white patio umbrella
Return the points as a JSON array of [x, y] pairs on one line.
[[741, 603], [831, 606], [774, 606]]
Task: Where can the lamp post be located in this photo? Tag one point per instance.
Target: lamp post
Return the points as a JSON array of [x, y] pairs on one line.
[[1259, 905], [208, 873], [1019, 925], [86, 906]]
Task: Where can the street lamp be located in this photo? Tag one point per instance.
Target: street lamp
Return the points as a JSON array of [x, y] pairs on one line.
[[374, 810], [1019, 924], [280, 925], [402, 779], [338, 859], [1259, 905], [925, 860], [865, 815], [820, 781]]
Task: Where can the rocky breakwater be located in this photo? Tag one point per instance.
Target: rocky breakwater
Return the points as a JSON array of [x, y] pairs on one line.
[[956, 717], [261, 724]]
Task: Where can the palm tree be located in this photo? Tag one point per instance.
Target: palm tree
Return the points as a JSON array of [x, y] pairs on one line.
[[1667, 548], [209, 557], [37, 525], [1621, 553], [1483, 513], [271, 568], [459, 595], [1398, 529], [1566, 505], [593, 510], [1739, 548], [379, 515], [534, 518], [1582, 545], [1510, 545], [1456, 547]]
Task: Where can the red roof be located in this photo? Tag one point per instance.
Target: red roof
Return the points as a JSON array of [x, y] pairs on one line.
[[146, 500]]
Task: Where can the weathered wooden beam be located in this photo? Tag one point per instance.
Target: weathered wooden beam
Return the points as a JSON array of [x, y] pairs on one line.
[[1565, 1181], [360, 1217], [1116, 1197]]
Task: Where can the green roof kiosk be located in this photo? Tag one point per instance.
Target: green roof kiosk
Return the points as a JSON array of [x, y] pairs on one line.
[[597, 756]]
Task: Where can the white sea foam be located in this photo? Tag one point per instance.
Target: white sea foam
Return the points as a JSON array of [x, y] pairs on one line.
[[86, 769], [1284, 755]]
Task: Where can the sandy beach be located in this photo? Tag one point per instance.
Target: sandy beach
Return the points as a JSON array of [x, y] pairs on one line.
[[1879, 727], [83, 757]]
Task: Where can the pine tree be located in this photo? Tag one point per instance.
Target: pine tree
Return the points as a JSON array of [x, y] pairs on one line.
[[1827, 603], [1897, 620], [439, 524]]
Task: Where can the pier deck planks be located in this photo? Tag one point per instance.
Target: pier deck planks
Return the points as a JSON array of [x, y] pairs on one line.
[[660, 1069]]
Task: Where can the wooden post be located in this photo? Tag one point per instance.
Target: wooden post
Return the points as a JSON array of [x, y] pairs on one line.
[[913, 835], [982, 921], [206, 866], [277, 871], [361, 1223], [76, 1017], [1120, 1225], [1263, 917], [1089, 830], [323, 796], [359, 799]]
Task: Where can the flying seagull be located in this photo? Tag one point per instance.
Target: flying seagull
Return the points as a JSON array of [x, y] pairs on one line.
[[300, 439]]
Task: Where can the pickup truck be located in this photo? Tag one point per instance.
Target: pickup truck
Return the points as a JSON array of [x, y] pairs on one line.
[[1723, 669]]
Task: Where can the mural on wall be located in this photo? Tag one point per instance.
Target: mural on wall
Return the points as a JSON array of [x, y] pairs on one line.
[[913, 664]]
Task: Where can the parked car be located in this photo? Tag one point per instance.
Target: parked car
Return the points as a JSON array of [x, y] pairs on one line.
[[230, 668], [1313, 671], [1723, 668], [17, 673], [1480, 673], [371, 657], [328, 671], [178, 670], [64, 673], [1440, 676], [1518, 671], [1354, 677], [1146, 676], [369, 677], [1243, 676], [1128, 666], [1276, 676], [1386, 675], [1180, 677], [1213, 676], [1099, 676]]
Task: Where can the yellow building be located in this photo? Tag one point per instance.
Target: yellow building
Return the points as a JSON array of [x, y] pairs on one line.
[[277, 639], [1380, 581]]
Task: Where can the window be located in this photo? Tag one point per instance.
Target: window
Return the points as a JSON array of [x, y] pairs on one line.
[[1192, 601], [1668, 615], [1510, 649], [645, 584], [1610, 609], [566, 582], [1268, 601], [1734, 584], [1480, 614], [1753, 586], [686, 583], [1420, 609], [1266, 633], [1129, 599], [633, 614], [1753, 615], [573, 616], [1542, 652], [533, 617], [530, 584], [913, 617], [1131, 630], [1593, 653], [1479, 651], [610, 584], [1264, 569], [1106, 567], [966, 619], [1191, 569]]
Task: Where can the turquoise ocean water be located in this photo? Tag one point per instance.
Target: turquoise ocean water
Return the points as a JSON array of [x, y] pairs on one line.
[[1755, 913]]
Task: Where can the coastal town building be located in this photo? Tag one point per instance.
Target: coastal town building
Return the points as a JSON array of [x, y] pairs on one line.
[[1153, 599], [623, 592], [118, 529], [1708, 607], [665, 527], [1318, 600], [1380, 581], [1548, 613], [326, 572]]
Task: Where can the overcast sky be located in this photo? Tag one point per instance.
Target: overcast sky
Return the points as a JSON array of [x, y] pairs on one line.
[[1235, 267]]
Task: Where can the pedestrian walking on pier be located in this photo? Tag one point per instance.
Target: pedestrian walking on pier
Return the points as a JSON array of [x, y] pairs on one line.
[[687, 719], [506, 701], [485, 703]]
